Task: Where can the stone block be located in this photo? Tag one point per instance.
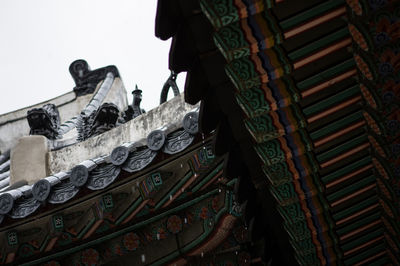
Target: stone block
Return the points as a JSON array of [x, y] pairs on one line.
[[28, 159]]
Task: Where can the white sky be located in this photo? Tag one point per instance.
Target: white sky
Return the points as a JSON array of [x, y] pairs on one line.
[[41, 38]]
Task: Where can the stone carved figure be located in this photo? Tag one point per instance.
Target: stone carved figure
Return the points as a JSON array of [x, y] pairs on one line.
[[86, 79], [44, 121], [100, 121], [134, 110]]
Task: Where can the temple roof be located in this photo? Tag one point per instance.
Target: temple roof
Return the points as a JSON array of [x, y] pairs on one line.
[[96, 173], [291, 157], [104, 187]]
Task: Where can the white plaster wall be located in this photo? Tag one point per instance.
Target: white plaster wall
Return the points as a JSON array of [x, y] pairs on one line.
[[170, 113], [14, 125]]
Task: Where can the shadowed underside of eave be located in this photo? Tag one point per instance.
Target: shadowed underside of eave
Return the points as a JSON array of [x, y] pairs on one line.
[[306, 94]]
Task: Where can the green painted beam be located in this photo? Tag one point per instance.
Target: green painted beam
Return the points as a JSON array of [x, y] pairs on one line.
[[351, 188], [382, 261], [353, 226], [331, 101], [346, 170], [366, 254], [44, 244], [335, 126], [133, 207], [174, 190], [363, 239], [326, 74], [355, 208], [336, 151], [310, 13], [86, 228], [318, 44]]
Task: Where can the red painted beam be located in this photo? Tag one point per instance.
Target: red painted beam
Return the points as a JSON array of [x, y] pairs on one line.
[[315, 22], [339, 133], [334, 109], [322, 53], [345, 155], [348, 176], [357, 214], [326, 84]]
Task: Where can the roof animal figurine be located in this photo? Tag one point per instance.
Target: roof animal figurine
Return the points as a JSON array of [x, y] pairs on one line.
[[44, 121], [98, 121], [134, 110]]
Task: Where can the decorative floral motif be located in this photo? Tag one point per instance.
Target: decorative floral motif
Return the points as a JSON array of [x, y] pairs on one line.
[[26, 250], [131, 241], [396, 149], [389, 62], [90, 257], [390, 91], [117, 249], [386, 31], [174, 224], [203, 213]]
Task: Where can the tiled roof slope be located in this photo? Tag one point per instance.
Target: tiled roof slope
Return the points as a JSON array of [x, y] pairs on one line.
[[96, 173], [160, 196], [178, 202], [305, 93], [93, 88]]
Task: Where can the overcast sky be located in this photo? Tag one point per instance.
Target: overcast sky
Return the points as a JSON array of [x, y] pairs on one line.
[[41, 38]]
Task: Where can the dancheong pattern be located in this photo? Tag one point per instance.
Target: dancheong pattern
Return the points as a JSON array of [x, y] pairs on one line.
[[327, 134], [182, 204]]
